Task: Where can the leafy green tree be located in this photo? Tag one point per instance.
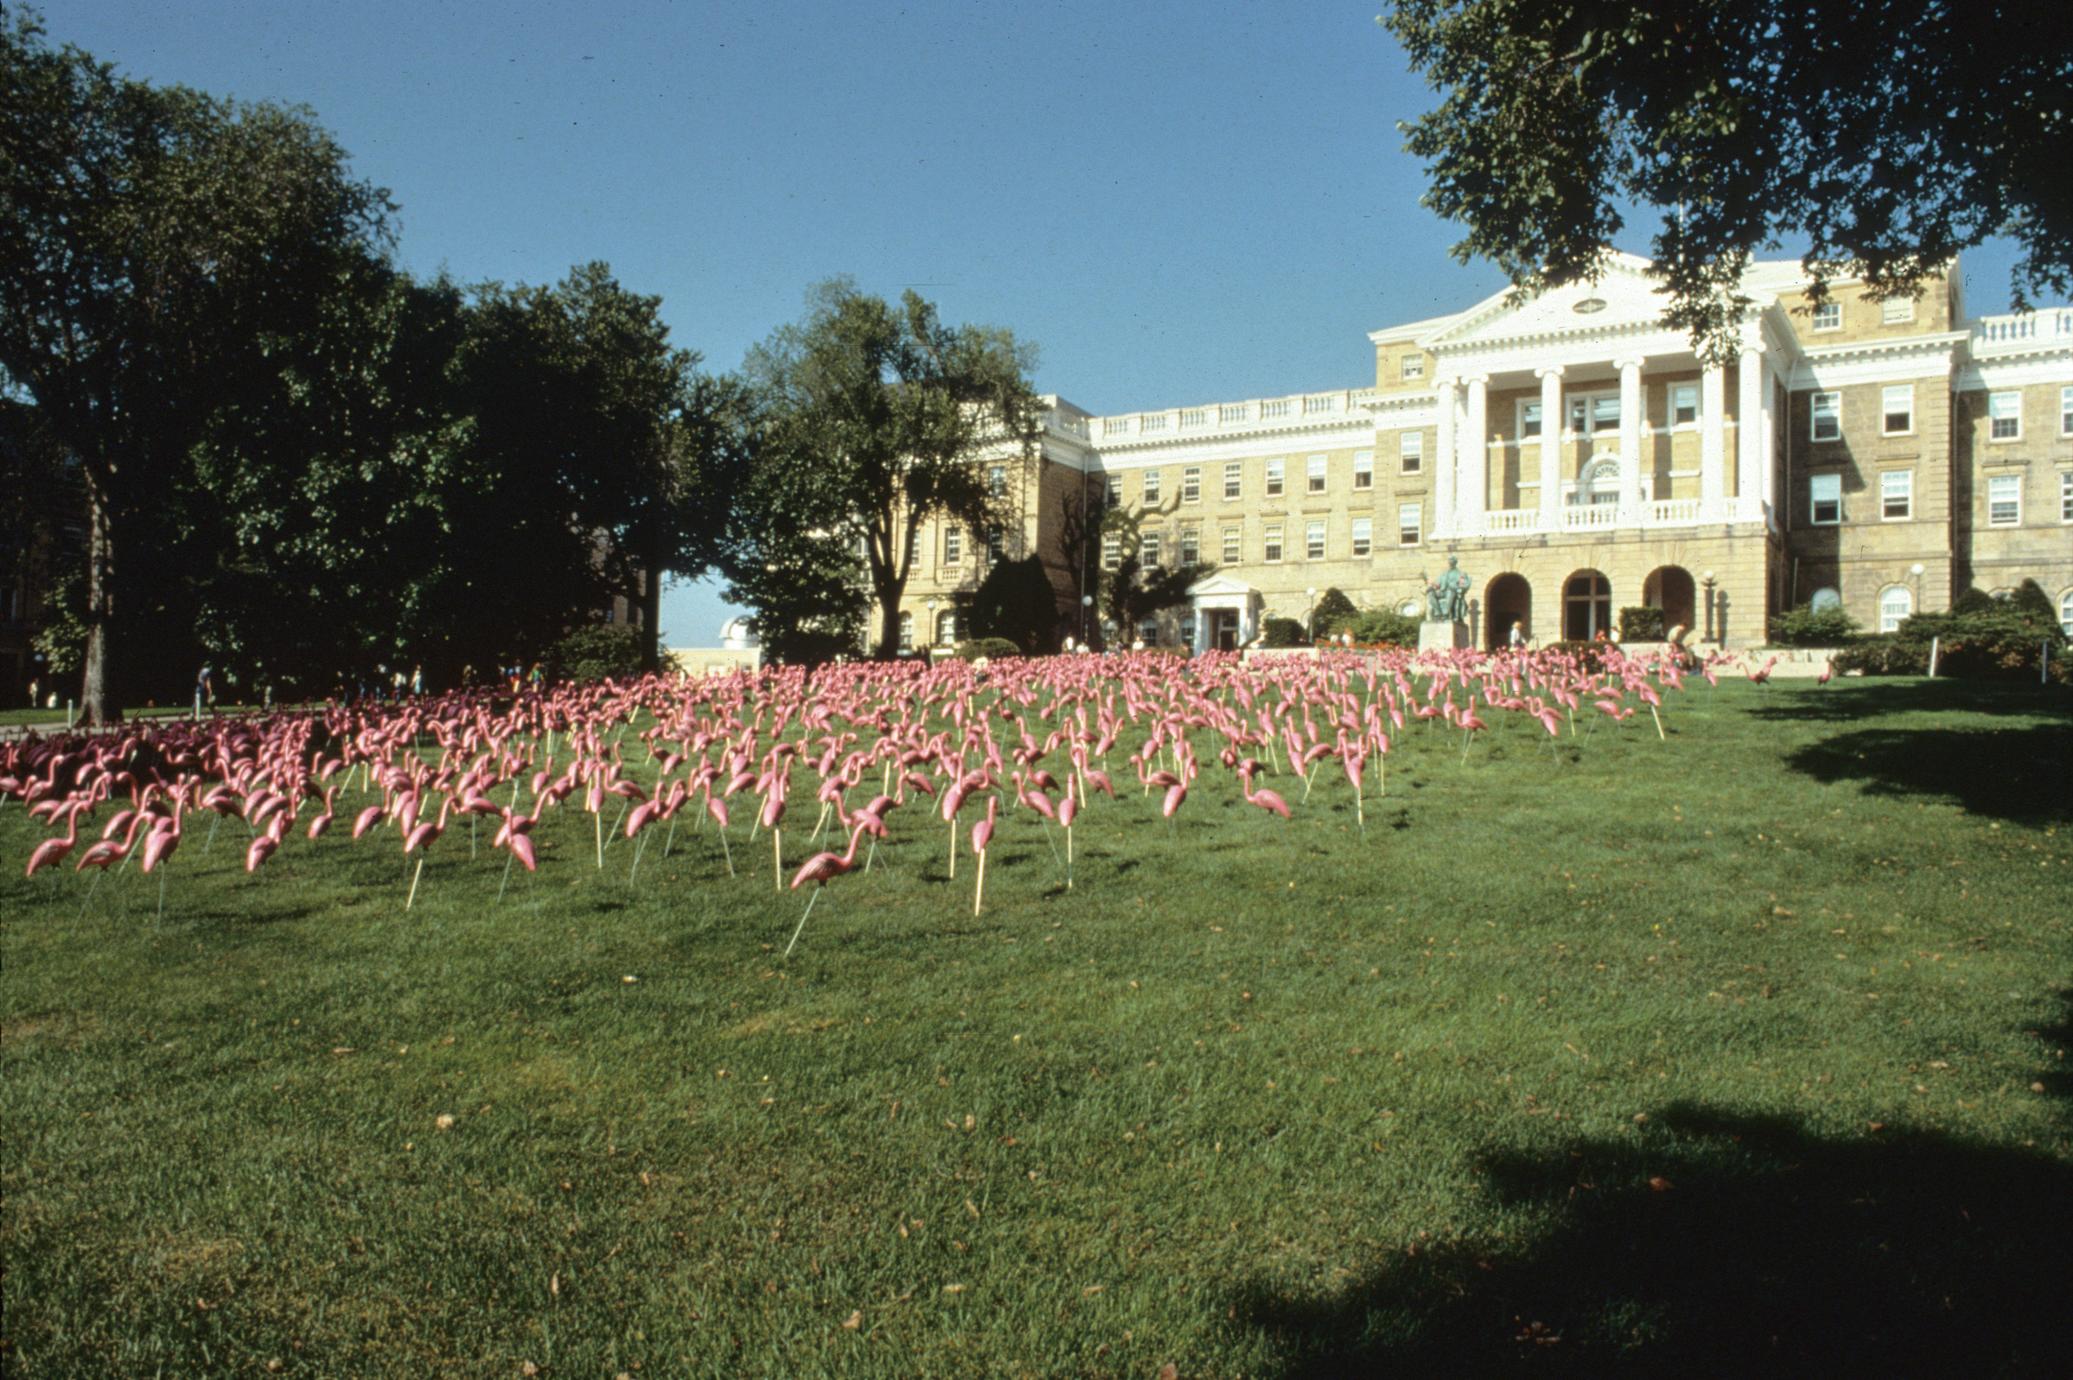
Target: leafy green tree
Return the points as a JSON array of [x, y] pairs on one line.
[[1334, 614], [1887, 137], [155, 243], [1016, 602], [1133, 593], [874, 420]]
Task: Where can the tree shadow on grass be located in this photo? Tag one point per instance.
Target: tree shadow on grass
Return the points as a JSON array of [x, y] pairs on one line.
[[1871, 698], [2013, 773], [1715, 1243]]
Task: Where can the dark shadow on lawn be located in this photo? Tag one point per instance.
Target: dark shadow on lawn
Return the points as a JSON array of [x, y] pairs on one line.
[[1713, 1244], [2012, 773], [1871, 697]]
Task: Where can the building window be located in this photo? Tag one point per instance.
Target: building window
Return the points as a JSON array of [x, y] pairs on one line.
[[1410, 452], [1111, 552], [1826, 416], [1191, 484], [2005, 500], [1316, 472], [1363, 536], [2066, 495], [1529, 420], [1231, 536], [1825, 499], [1895, 604], [946, 628], [1825, 599], [1828, 316], [2005, 416], [1151, 487], [1190, 546], [1897, 410], [1411, 366], [1272, 545], [2066, 411], [913, 547], [2066, 613], [953, 545], [1313, 541], [1148, 632], [1187, 629], [1895, 311], [1603, 410], [1274, 473], [1115, 491], [1684, 404], [906, 632], [1896, 495], [1407, 524], [1148, 551], [1363, 469], [1234, 479], [996, 481], [996, 544]]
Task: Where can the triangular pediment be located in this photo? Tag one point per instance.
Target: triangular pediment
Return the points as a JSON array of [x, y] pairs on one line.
[[1623, 296], [1218, 584]]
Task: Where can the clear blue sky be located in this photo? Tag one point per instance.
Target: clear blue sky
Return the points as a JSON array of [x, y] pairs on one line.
[[1176, 202]]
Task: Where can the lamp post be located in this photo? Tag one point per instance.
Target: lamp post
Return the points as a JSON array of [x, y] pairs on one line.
[[1086, 612], [1915, 573], [1707, 580], [1310, 613], [928, 635]]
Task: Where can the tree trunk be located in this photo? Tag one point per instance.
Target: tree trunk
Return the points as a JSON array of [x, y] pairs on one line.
[[889, 624], [94, 692]]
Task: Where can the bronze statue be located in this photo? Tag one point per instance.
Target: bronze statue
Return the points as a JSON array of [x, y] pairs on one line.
[[1446, 599]]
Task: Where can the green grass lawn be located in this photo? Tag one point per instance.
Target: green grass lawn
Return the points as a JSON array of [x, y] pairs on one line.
[[1740, 1053]]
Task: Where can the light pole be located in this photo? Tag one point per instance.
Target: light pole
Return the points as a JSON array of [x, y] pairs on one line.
[[1915, 571], [1310, 613], [1707, 580], [1086, 612], [928, 634]]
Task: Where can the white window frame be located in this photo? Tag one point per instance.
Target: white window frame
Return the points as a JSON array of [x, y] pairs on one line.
[[996, 544], [1152, 486], [1363, 537], [1363, 469], [2066, 613], [1270, 544], [2066, 410], [1191, 484], [946, 628], [1190, 546], [1115, 491], [1825, 489], [1530, 427], [1234, 479], [906, 631], [1825, 407], [1904, 394], [1233, 545], [1896, 605], [1111, 552], [1277, 478], [996, 480], [1317, 472], [1410, 366], [2014, 416], [1683, 397], [1828, 316], [1410, 452], [1896, 311], [2066, 496], [1313, 540], [2012, 485], [1600, 410], [1896, 490], [1149, 555], [1410, 524], [953, 545]]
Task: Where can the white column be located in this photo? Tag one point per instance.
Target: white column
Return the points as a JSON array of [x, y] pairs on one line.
[[1630, 439], [1443, 462], [1712, 441], [1472, 498], [1551, 421], [1749, 430]]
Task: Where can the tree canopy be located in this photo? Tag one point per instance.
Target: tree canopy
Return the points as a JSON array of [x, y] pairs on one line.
[[1886, 137], [872, 419]]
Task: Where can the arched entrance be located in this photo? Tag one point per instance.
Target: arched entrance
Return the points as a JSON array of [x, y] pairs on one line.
[[1507, 601], [1586, 606], [1670, 588]]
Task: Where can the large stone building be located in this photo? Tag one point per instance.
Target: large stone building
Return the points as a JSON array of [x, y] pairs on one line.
[[1577, 457]]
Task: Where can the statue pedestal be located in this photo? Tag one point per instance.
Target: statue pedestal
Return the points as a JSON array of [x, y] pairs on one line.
[[1442, 636]]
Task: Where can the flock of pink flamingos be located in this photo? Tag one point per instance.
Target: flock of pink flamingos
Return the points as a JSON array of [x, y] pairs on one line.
[[856, 746]]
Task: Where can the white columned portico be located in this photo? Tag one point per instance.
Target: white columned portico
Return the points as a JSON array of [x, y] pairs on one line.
[[1446, 391], [1712, 440], [1551, 420], [1749, 429], [1472, 497], [1630, 437]]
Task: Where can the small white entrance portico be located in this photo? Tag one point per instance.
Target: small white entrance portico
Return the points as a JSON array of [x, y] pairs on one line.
[[1227, 613]]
